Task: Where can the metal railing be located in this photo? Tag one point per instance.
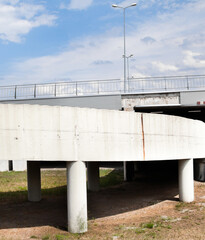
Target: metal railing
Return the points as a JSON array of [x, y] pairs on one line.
[[170, 83], [102, 87]]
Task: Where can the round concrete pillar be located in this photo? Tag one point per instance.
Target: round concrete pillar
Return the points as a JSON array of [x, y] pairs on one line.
[[186, 180], [76, 197], [34, 181], [199, 170], [93, 176], [125, 170], [129, 171]]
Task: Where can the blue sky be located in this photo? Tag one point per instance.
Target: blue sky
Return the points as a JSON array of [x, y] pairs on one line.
[[68, 40]]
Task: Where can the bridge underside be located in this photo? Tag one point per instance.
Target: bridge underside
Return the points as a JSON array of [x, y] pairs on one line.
[[192, 112]]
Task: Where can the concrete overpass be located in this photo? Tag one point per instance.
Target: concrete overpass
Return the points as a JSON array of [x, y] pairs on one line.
[[179, 95], [171, 92], [77, 136]]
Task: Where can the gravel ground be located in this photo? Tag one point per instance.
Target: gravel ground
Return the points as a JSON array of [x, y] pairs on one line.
[[144, 209]]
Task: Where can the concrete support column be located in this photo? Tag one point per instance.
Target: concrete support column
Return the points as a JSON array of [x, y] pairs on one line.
[[125, 170], [76, 197], [186, 180], [199, 170], [34, 181], [129, 171], [93, 176]]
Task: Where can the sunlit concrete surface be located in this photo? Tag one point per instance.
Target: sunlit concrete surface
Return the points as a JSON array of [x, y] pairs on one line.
[[35, 133], [45, 133]]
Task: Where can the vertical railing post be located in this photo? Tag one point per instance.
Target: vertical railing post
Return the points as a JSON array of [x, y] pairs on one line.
[[15, 92], [98, 87], [34, 91], [187, 79], [118, 86], [142, 84], [165, 83], [55, 94]]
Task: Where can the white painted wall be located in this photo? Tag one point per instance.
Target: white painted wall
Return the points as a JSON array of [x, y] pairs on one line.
[[52, 133], [4, 166], [19, 165]]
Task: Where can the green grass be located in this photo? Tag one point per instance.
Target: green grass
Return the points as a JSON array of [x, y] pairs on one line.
[[46, 237], [110, 177], [182, 205], [151, 229], [13, 185], [149, 225], [61, 237], [139, 231]]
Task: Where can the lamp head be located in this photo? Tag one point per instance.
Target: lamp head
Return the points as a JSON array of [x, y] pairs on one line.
[[114, 5]]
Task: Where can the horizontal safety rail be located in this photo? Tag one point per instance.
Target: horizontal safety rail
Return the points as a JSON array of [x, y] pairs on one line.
[[102, 87]]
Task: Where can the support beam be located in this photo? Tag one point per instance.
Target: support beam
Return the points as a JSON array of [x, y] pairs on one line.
[[34, 181], [186, 180], [93, 176], [76, 197]]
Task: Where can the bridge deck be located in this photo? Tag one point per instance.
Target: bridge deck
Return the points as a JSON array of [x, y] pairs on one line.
[[103, 87]]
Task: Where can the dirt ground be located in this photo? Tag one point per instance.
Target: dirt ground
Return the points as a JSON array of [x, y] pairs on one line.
[[144, 209]]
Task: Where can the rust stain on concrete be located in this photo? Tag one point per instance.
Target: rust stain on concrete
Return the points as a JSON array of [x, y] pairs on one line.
[[143, 140]]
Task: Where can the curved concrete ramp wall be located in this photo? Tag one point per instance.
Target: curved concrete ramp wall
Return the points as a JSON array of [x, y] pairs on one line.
[[37, 133], [52, 133]]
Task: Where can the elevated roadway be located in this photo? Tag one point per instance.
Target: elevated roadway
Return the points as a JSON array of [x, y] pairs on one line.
[[77, 136], [187, 101]]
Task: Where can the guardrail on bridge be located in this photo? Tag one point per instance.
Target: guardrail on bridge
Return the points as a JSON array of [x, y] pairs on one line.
[[101, 87]]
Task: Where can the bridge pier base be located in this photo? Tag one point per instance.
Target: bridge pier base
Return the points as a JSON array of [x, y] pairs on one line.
[[76, 197], [34, 181], [186, 180], [93, 176]]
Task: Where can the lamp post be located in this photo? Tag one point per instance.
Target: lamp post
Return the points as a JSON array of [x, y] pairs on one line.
[[124, 8], [128, 77]]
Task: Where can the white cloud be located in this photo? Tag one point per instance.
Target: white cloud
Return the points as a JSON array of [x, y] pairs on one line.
[[191, 60], [159, 4], [17, 19], [148, 40], [164, 67], [77, 4], [172, 49], [88, 60]]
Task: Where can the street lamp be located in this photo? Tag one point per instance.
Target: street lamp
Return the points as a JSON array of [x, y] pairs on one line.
[[124, 8]]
